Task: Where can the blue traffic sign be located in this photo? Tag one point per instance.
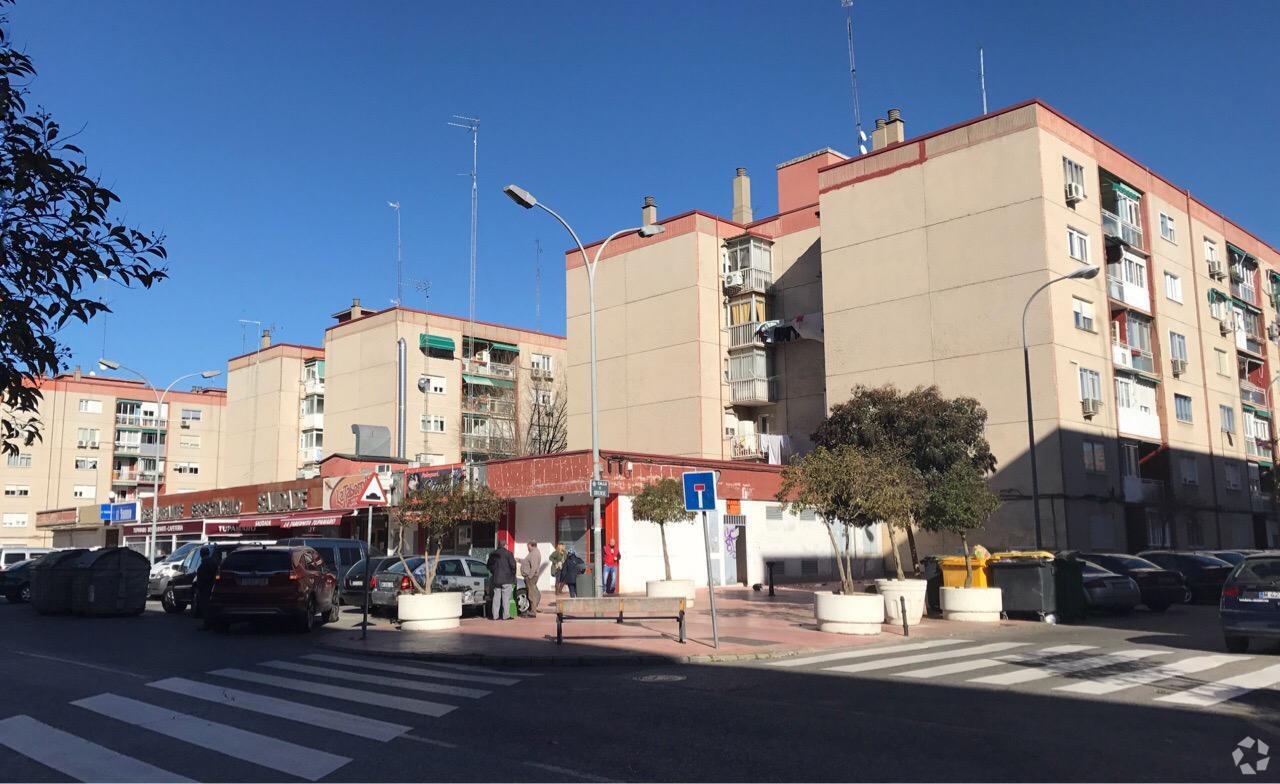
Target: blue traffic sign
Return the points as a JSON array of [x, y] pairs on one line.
[[104, 511], [699, 491]]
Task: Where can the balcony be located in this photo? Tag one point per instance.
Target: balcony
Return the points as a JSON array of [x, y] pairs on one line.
[[1132, 358], [1253, 394], [126, 448], [312, 386], [745, 336], [311, 422], [1257, 447], [141, 420], [488, 444], [489, 406], [491, 369], [753, 391], [1251, 343], [747, 280], [1126, 232], [748, 448], [1142, 491], [1128, 293], [311, 454], [124, 477], [1243, 288]]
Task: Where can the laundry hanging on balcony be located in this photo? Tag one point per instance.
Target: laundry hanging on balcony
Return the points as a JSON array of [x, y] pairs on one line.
[[806, 327]]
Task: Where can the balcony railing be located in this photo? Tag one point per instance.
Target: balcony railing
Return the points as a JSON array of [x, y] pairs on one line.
[[1113, 226], [1257, 447], [311, 422], [141, 420], [748, 448], [493, 445], [1243, 289], [489, 406], [1253, 394], [752, 391], [748, 279], [312, 386], [311, 454], [1251, 343], [744, 335], [1143, 491], [1132, 358], [127, 477], [494, 369], [127, 448]]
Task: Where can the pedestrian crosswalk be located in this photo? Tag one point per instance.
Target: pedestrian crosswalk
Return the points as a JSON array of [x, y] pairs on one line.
[[218, 710], [1175, 677]]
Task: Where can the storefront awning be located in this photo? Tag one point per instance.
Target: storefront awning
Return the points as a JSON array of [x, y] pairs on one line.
[[1258, 412], [296, 520], [482, 381], [498, 346], [438, 342]]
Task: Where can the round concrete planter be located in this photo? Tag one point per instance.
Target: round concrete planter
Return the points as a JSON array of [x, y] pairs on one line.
[[668, 588], [429, 612], [911, 590], [982, 605], [853, 613]]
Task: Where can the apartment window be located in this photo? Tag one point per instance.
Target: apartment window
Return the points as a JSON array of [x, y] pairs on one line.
[[90, 406], [540, 362], [1173, 287], [1227, 415], [1224, 362], [1231, 477], [773, 512], [186, 468], [190, 415], [435, 384], [86, 464], [543, 398], [1135, 271], [1218, 305], [17, 491], [313, 404], [432, 424], [18, 461], [189, 442], [1073, 174], [311, 439], [313, 370], [1189, 469], [1167, 229], [1083, 310], [88, 435], [15, 519], [1182, 407], [1125, 397], [1078, 244], [84, 491], [1178, 346], [1095, 457], [1090, 384], [1210, 251]]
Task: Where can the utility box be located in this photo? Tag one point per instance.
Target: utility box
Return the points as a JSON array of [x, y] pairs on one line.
[[110, 581], [51, 582]]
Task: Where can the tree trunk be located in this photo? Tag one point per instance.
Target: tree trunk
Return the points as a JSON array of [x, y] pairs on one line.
[[897, 557], [848, 554], [911, 544], [431, 568], [666, 559], [846, 584], [968, 567]]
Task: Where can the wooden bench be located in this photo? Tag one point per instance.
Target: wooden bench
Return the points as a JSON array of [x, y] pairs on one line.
[[616, 608]]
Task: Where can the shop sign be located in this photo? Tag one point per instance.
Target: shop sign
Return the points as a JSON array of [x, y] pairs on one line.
[[221, 507], [144, 529], [221, 527], [167, 512], [282, 500]]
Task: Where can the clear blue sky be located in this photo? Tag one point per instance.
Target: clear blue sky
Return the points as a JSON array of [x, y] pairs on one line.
[[265, 138]]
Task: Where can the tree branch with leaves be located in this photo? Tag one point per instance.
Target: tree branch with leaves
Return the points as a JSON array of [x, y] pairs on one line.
[[661, 503], [960, 501], [436, 509]]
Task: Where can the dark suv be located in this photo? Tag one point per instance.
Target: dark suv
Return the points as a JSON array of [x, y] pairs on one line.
[[257, 583], [1250, 607]]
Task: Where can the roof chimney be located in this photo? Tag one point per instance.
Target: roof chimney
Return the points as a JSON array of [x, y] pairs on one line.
[[77, 376], [265, 340], [895, 128], [878, 135], [741, 197], [649, 213]]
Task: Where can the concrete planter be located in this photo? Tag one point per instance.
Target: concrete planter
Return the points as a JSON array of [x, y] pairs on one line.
[[911, 590], [972, 604], [429, 612], [668, 588], [853, 613]]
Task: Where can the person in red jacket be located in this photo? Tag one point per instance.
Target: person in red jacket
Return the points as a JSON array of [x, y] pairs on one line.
[[611, 556]]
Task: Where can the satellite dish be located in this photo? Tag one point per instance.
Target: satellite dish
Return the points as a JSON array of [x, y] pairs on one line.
[[422, 385]]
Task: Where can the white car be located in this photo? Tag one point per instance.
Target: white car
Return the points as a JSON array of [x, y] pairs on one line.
[[11, 555]]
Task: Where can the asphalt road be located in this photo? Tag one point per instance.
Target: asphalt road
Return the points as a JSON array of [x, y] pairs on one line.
[[153, 698]]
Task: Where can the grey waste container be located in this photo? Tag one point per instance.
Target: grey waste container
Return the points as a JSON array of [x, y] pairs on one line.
[[586, 585], [933, 585], [51, 582], [110, 581], [1026, 585]]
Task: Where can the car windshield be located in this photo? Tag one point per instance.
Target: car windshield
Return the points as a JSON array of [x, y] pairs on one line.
[[414, 562], [1231, 558], [1201, 560], [180, 553], [1093, 568], [1130, 562], [13, 567], [1259, 570], [257, 561]]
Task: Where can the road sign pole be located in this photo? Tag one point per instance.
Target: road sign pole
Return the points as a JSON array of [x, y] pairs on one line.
[[368, 561], [711, 588]]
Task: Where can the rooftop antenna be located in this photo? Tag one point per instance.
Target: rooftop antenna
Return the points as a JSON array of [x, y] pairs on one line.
[[537, 287], [472, 125], [982, 78], [853, 78], [395, 205]]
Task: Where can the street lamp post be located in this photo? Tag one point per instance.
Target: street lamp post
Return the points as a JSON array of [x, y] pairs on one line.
[[155, 475], [1084, 273], [525, 199]]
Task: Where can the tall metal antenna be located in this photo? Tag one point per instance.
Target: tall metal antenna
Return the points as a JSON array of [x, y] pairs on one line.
[[853, 78], [395, 205], [982, 78], [537, 286], [472, 125]]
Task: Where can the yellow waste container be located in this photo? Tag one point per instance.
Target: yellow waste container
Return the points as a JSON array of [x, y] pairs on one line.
[[953, 571], [1021, 554]]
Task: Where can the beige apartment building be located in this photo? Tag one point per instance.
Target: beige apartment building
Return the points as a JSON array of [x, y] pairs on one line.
[[471, 393], [911, 265], [100, 445]]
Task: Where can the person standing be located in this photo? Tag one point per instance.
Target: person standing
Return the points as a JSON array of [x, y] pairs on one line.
[[530, 569], [611, 556], [556, 559], [569, 571], [502, 573]]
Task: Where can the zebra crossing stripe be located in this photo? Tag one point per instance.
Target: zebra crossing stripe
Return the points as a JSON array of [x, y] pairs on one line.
[[426, 672], [1128, 680], [1226, 689], [286, 757], [378, 680], [482, 670], [1062, 668], [74, 756], [284, 709], [898, 661], [390, 701], [827, 657], [982, 664]]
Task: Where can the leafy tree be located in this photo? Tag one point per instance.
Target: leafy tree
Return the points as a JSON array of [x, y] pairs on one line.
[[436, 508], [934, 432], [660, 503], [853, 488], [960, 502], [57, 236]]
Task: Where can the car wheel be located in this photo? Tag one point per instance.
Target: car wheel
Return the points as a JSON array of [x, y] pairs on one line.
[[1237, 644], [1188, 597], [24, 594], [522, 602], [1159, 607], [307, 620], [170, 602], [332, 615]]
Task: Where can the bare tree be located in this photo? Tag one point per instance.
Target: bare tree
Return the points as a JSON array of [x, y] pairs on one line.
[[547, 430]]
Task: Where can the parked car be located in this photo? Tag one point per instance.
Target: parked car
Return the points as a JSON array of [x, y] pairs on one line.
[[1250, 604], [455, 573], [1160, 587], [390, 582], [1106, 590], [15, 582], [352, 589], [180, 592], [257, 583], [166, 568], [1203, 573], [1233, 557], [12, 555], [339, 555]]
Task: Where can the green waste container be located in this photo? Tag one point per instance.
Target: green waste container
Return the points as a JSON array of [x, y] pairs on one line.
[[1068, 579], [933, 582]]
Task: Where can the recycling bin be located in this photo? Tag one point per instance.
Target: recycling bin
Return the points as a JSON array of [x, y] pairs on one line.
[[1027, 583], [954, 572]]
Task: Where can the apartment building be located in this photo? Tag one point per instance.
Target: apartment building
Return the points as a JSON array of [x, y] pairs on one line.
[[106, 439], [911, 265]]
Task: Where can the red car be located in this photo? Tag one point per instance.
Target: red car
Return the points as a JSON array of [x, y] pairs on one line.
[[258, 583]]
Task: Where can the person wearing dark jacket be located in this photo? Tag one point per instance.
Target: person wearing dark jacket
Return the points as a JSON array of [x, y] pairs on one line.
[[502, 574], [569, 571]]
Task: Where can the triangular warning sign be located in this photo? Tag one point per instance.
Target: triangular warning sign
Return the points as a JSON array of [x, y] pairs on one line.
[[373, 494]]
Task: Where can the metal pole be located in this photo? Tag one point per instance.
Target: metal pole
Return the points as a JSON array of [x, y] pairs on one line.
[[711, 587], [368, 564], [982, 78]]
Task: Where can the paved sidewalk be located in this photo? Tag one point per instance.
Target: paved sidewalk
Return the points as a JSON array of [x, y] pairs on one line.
[[751, 625]]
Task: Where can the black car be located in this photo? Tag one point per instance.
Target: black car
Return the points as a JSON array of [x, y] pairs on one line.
[[1203, 573], [15, 581], [1160, 587], [352, 587], [1233, 557], [182, 587], [1250, 607]]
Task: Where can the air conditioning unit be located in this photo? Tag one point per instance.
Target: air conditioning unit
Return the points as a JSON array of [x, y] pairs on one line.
[[733, 280], [1075, 192], [185, 425], [1179, 366], [1090, 406], [1226, 327], [93, 444], [82, 444], [1273, 330], [1216, 271]]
